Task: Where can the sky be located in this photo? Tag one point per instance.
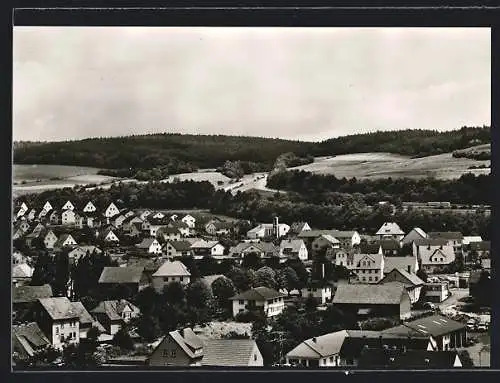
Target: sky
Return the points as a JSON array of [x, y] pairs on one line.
[[295, 83]]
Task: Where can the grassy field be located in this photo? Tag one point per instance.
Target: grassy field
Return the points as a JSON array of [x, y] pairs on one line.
[[379, 165]]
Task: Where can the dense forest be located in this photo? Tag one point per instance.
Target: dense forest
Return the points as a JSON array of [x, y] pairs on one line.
[[256, 208], [175, 153], [468, 189]]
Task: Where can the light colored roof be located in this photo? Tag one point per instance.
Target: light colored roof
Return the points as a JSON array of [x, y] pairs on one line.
[[59, 308], [188, 341], [471, 238], [22, 270], [391, 263], [369, 294], [293, 244], [114, 309], [83, 314], [420, 232], [227, 352], [146, 243], [412, 279], [24, 294], [390, 228], [446, 252], [27, 339], [320, 347], [172, 268], [258, 294], [128, 274], [330, 238], [202, 244]]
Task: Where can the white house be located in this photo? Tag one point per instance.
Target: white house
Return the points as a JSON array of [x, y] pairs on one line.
[[159, 215], [467, 240], [322, 293], [264, 230], [145, 214], [202, 248], [109, 236], [47, 206], [415, 234], [150, 245], [68, 206], [178, 249], [259, 298], [68, 217], [390, 230], [111, 211], [293, 248], [369, 268], [65, 240], [189, 220], [170, 271], [89, 208], [347, 238], [412, 283], [50, 240]]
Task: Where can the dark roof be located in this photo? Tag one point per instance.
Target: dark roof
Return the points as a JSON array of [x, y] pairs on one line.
[[180, 245], [480, 246], [113, 309], [227, 352], [391, 263], [369, 294], [389, 244], [430, 242], [411, 359], [168, 230], [435, 325], [411, 279], [27, 339], [25, 294], [129, 274], [258, 294], [83, 314], [59, 308], [146, 243], [297, 227], [369, 248], [453, 235]]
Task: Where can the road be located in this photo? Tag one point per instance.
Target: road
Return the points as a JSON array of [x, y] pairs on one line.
[[456, 295]]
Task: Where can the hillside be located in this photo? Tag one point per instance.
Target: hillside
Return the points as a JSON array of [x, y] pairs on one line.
[[159, 155]]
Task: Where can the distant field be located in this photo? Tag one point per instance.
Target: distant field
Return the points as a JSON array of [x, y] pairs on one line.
[[382, 165]]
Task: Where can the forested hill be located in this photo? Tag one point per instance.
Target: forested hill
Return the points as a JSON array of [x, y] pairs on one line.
[[185, 152]]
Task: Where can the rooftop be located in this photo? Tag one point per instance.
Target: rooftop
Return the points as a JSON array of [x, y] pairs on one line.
[[128, 274], [258, 294], [368, 294], [59, 308], [172, 268]]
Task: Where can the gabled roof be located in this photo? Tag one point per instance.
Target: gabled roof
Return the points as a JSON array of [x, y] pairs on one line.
[[83, 314], [25, 294], [227, 352], [391, 263], [172, 268], [390, 228], [320, 347], [430, 242], [446, 252], [449, 235], [63, 238], [264, 247], [342, 233], [467, 239], [167, 230], [331, 239], [59, 308], [114, 308], [190, 343], [411, 279], [435, 325], [27, 339], [146, 243], [293, 244], [128, 274], [258, 294], [180, 245], [297, 227], [368, 294], [376, 258], [202, 244]]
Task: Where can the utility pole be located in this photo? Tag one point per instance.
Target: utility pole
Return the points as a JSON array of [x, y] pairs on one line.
[[280, 339]]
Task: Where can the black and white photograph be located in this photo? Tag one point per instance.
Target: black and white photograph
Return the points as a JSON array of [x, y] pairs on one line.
[[291, 198]]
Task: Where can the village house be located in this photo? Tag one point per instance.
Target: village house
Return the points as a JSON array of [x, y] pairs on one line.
[[85, 320], [453, 238], [477, 250], [262, 249], [132, 224], [31, 215], [348, 238], [118, 220], [68, 217], [323, 242], [408, 263], [21, 274], [111, 211], [435, 258], [65, 241], [155, 226], [449, 334], [189, 220], [390, 230], [181, 226], [18, 257], [108, 235], [59, 321], [27, 341], [145, 214], [293, 249], [412, 283], [55, 217], [131, 278], [374, 300], [81, 251], [68, 206], [168, 234], [298, 227], [170, 271], [185, 348], [89, 208], [47, 206], [368, 268], [150, 245], [203, 248], [43, 213], [390, 247], [436, 292], [25, 298], [267, 230], [322, 292], [178, 249], [219, 228], [468, 239], [50, 240], [259, 298], [113, 314], [158, 215]]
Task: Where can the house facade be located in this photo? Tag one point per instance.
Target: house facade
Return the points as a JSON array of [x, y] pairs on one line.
[[260, 298], [50, 240], [412, 283], [293, 249], [170, 271], [68, 217], [390, 230], [436, 292]]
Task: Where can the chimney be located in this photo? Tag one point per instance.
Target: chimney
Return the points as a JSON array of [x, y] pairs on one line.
[[409, 269], [276, 227], [314, 339], [323, 270]]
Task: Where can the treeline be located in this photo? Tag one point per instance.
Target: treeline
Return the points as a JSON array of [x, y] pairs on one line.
[[199, 151], [474, 154], [468, 189], [256, 208], [237, 169], [415, 143]]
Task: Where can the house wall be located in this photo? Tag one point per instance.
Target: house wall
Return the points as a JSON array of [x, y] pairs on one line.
[[115, 327], [405, 307], [256, 359], [330, 361], [68, 218], [160, 282], [111, 211], [436, 292], [274, 307], [322, 295], [217, 250], [69, 329], [169, 353]]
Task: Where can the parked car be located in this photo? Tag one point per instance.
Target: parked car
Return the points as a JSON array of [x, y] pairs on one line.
[[482, 327], [429, 305]]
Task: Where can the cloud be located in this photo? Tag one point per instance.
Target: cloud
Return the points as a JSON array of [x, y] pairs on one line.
[[294, 83]]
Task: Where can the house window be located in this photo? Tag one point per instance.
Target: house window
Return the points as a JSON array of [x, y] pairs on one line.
[[165, 353], [181, 279], [57, 330], [74, 334], [62, 338], [375, 278], [331, 359], [165, 279], [241, 302], [173, 354], [370, 279], [254, 357], [62, 325]]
